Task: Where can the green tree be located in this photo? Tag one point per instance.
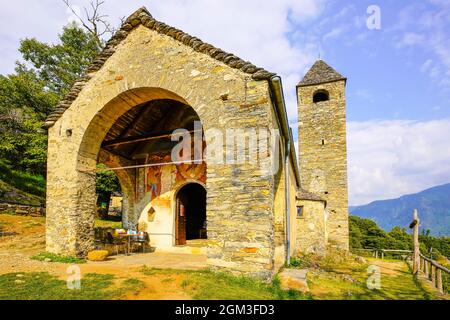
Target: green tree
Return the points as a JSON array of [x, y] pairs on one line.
[[29, 95], [365, 234], [106, 184], [60, 65]]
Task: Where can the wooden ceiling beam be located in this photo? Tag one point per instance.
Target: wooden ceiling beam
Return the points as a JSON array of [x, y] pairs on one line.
[[141, 138]]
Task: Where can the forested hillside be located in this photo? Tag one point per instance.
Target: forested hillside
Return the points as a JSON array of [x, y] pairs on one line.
[[433, 205], [41, 78]]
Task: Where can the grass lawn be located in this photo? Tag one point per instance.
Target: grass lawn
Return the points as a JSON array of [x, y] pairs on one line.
[[43, 286], [196, 284], [50, 257], [108, 224], [339, 278], [207, 285]]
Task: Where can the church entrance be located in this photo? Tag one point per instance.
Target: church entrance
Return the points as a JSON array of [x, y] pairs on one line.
[[190, 221]]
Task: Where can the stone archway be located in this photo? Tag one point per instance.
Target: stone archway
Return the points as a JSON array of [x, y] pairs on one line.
[[146, 66], [77, 238]]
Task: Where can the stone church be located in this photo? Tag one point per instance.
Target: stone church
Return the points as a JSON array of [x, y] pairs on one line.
[[152, 80]]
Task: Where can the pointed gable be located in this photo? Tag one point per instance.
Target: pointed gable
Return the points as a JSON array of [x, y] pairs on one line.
[[144, 18], [319, 73]]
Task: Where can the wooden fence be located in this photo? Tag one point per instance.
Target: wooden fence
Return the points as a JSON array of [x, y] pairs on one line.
[[433, 271], [383, 253], [437, 274]]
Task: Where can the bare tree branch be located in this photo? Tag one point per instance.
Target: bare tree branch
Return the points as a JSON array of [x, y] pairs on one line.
[[94, 22]]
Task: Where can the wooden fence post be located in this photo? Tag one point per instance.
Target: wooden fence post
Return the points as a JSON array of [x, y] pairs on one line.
[[416, 254], [433, 275], [426, 269], [439, 280]]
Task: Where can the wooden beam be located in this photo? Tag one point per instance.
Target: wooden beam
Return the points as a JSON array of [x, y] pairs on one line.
[[141, 138], [133, 123], [113, 152], [416, 254]]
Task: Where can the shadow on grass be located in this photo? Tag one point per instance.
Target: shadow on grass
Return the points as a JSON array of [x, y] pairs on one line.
[[43, 286], [208, 285]]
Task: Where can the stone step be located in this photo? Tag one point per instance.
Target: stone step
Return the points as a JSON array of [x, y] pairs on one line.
[[294, 279], [183, 250]]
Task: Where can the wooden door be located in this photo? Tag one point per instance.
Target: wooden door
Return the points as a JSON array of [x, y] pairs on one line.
[[180, 224]]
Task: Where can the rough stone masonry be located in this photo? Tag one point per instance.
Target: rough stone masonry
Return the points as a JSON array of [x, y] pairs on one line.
[[148, 62]]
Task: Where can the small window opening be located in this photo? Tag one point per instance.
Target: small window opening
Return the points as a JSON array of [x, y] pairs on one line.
[[323, 142], [320, 96], [69, 133], [300, 212]]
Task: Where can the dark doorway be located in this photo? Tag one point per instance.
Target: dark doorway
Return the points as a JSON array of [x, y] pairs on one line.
[[190, 213]]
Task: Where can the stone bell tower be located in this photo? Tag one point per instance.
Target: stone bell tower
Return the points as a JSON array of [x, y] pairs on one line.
[[323, 145]]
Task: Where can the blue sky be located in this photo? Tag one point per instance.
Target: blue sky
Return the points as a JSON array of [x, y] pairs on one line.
[[387, 68], [398, 94]]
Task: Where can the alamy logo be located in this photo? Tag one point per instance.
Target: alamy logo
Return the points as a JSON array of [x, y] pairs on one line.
[[257, 147], [374, 280], [73, 278], [374, 20]]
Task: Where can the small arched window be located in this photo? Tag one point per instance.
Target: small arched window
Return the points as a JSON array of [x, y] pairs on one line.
[[320, 96]]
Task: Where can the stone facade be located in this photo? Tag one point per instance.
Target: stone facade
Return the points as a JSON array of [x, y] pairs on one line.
[[246, 208], [323, 148], [312, 237], [148, 65]]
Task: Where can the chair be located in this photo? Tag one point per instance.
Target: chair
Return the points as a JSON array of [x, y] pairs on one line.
[[116, 242], [100, 239], [141, 240]]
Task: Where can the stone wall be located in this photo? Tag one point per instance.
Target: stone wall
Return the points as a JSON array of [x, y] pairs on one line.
[[22, 210], [311, 228], [147, 66], [323, 154]]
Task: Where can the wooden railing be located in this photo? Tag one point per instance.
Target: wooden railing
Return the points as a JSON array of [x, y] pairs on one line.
[[432, 270], [382, 253], [435, 273]]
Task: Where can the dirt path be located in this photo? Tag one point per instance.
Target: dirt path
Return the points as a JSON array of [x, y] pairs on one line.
[[29, 239], [395, 283]]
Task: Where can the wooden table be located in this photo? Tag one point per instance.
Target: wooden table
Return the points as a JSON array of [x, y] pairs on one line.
[[128, 237]]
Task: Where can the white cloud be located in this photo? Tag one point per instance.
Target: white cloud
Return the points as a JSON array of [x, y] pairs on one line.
[[365, 95], [410, 39], [253, 30], [388, 159], [432, 19], [427, 65], [335, 33]]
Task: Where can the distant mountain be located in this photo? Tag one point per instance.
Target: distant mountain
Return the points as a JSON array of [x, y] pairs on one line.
[[433, 205]]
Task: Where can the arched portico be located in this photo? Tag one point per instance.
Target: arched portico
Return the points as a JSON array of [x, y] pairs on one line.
[[148, 66]]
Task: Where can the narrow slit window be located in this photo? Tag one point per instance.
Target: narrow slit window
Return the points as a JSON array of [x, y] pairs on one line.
[[300, 212]]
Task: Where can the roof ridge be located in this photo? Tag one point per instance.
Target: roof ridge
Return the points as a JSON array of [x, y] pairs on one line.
[[143, 17]]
